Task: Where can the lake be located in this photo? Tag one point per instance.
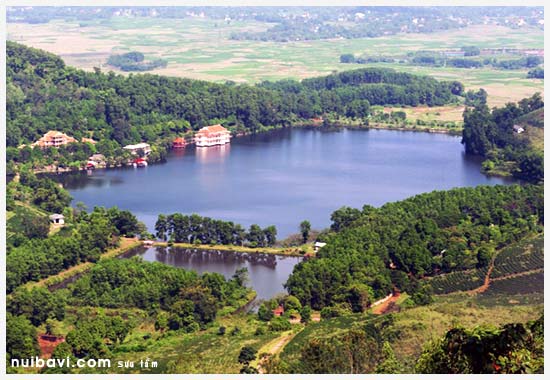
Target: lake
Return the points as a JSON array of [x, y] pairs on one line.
[[267, 273], [284, 177]]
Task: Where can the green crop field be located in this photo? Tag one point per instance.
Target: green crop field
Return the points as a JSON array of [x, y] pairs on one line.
[[527, 255], [458, 281], [201, 48]]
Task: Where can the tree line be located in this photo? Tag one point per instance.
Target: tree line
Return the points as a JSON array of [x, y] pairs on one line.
[[195, 229], [439, 59]]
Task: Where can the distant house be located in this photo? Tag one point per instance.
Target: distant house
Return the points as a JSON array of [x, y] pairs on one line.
[[87, 140], [57, 219], [135, 148], [318, 245], [53, 138], [518, 129], [212, 135], [179, 142], [97, 158], [278, 311]]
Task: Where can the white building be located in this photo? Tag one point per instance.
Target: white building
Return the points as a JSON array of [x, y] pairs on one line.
[[134, 149], [57, 219], [212, 135]]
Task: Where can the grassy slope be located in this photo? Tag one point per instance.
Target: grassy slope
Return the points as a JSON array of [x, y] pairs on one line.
[[14, 218], [534, 128], [200, 352]]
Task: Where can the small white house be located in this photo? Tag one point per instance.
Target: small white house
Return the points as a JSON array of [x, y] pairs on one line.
[[57, 219], [518, 129]]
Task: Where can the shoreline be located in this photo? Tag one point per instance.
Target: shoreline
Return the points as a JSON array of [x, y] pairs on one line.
[[299, 125], [291, 251]]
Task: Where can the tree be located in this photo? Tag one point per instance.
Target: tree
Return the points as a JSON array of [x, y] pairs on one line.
[[265, 313], [270, 234], [305, 314], [305, 228], [256, 236], [512, 348], [389, 363], [21, 340], [161, 227], [246, 369], [247, 354]]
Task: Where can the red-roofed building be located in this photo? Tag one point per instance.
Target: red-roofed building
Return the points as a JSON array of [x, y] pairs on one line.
[[278, 311], [179, 142], [55, 139], [212, 135]]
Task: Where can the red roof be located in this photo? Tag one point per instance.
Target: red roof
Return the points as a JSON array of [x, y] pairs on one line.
[[179, 140], [279, 310], [138, 160], [212, 129]]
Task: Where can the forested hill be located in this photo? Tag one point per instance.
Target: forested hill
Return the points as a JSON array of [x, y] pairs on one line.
[[371, 251], [509, 138], [44, 94]]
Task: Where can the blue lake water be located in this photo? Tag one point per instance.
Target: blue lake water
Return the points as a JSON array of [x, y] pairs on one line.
[[284, 177]]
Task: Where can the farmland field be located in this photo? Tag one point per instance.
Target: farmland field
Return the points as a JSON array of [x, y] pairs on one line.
[[525, 256], [458, 281], [201, 49]]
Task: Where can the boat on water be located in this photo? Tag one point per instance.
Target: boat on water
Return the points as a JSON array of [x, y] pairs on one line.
[[139, 163]]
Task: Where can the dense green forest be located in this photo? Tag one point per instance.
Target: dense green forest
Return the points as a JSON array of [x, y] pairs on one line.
[[190, 301], [177, 298], [370, 252], [43, 94], [493, 134]]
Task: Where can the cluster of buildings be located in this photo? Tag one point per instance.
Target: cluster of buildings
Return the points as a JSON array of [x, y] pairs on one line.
[[208, 136]]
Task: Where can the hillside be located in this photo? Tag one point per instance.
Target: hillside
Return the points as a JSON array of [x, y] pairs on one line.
[[128, 109], [510, 139]]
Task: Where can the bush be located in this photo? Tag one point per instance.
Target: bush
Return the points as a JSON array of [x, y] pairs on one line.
[[334, 311], [261, 330], [280, 324]]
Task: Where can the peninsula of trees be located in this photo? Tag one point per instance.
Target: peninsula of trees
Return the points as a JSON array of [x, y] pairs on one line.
[[370, 252]]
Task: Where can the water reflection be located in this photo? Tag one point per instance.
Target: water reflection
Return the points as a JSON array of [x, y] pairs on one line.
[[267, 273], [212, 154]]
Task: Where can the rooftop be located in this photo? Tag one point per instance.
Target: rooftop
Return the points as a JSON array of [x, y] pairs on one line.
[[213, 129]]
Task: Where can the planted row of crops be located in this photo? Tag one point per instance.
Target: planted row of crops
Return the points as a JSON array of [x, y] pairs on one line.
[[528, 284], [458, 281], [527, 255]]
